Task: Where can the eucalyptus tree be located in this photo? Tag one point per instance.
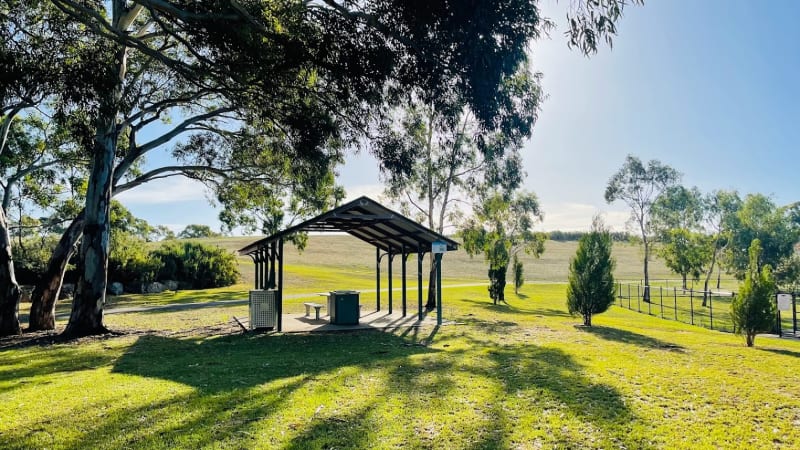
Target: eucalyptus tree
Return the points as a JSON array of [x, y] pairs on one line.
[[787, 274], [501, 228], [677, 216], [760, 218], [39, 63], [638, 186], [720, 208], [447, 159], [35, 153], [286, 67]]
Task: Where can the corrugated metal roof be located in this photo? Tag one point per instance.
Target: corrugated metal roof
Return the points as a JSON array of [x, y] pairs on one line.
[[369, 221]]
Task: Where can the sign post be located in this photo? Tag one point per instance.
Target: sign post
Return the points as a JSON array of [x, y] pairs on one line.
[[784, 304]]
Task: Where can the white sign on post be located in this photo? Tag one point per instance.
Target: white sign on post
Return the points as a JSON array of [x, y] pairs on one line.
[[784, 302], [438, 247]]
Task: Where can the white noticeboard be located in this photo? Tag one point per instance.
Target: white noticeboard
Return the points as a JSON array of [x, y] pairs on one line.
[[438, 247], [784, 302]]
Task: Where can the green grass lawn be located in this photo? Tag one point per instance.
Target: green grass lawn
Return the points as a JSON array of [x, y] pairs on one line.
[[521, 375]]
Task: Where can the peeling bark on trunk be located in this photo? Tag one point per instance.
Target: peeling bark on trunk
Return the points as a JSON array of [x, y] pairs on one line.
[[45, 294], [9, 290], [86, 317], [90, 290]]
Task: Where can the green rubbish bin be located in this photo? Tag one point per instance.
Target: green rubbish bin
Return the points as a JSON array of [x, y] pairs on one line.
[[343, 307]]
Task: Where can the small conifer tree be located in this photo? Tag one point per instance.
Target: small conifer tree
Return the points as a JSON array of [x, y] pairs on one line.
[[519, 278], [753, 310], [591, 282]]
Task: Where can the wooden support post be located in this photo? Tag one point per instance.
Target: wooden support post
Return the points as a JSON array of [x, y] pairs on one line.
[[255, 263], [439, 288], [420, 255], [273, 254], [391, 259], [280, 285], [263, 280], [377, 279], [404, 256]]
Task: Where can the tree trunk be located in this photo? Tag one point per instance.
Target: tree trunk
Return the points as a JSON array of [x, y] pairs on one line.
[[750, 339], [431, 303], [9, 290], [90, 290], [646, 295], [45, 294], [683, 277], [587, 320], [709, 274]]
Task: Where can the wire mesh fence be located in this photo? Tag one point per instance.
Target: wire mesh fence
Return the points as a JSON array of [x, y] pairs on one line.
[[708, 309]]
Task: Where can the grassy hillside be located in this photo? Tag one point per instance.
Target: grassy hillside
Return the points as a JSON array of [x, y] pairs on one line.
[[340, 252]]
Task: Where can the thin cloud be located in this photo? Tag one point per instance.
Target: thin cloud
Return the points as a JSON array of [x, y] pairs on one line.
[[167, 190]]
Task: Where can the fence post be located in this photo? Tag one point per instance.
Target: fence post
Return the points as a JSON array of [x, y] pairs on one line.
[[638, 301], [629, 296], [711, 310], [661, 296], [675, 298], [794, 314], [691, 306]]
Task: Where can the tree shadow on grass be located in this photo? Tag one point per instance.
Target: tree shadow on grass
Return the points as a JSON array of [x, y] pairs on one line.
[[780, 351], [629, 337], [224, 363], [505, 308], [236, 382], [61, 359], [351, 430], [555, 375], [546, 378]]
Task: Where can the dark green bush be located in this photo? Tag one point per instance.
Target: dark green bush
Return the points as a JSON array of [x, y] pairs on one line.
[[196, 265], [31, 256], [129, 262]]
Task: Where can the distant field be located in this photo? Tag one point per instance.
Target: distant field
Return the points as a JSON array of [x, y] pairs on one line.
[[348, 254]]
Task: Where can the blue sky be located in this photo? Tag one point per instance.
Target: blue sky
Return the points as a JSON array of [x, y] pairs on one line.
[[708, 87]]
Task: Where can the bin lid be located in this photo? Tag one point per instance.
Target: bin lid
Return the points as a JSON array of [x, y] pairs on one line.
[[344, 292]]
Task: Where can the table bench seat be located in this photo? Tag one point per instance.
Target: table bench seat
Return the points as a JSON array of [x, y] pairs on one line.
[[317, 307]]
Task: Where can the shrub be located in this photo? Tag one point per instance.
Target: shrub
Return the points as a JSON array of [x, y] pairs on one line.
[[129, 261], [519, 275], [753, 310], [31, 256], [591, 283], [197, 265]]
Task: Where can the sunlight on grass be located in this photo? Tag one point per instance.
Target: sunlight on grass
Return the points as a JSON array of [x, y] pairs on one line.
[[520, 375], [515, 375]]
